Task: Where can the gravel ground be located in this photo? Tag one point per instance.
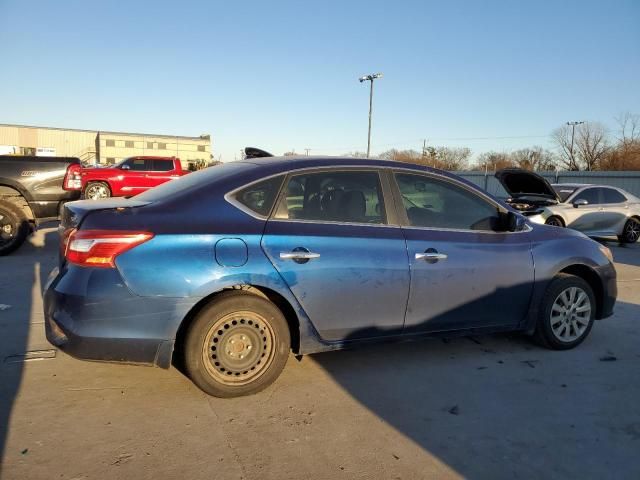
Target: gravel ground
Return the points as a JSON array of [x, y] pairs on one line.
[[483, 407]]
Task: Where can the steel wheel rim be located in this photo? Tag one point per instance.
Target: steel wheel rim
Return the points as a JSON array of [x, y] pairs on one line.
[[7, 231], [554, 222], [632, 231], [95, 192], [239, 348], [570, 314]]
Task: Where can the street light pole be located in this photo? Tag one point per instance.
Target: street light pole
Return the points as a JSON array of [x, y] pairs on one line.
[[370, 78], [573, 132]]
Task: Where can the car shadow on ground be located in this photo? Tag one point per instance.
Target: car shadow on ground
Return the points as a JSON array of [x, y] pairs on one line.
[[627, 254], [22, 274], [499, 406]]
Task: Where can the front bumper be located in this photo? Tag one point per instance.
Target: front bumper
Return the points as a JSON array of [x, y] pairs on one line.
[[608, 277], [91, 315]]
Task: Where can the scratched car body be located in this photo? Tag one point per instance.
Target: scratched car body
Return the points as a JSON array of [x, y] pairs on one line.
[[230, 269]]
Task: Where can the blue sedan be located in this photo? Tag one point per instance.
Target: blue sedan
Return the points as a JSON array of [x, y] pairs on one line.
[[230, 269]]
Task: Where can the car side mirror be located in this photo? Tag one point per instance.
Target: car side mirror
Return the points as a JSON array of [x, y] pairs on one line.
[[515, 222], [125, 167], [580, 202]]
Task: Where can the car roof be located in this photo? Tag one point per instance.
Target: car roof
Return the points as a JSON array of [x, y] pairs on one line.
[[580, 185], [303, 161]]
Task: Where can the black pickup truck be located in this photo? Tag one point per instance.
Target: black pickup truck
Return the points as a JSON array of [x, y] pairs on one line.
[[33, 190]]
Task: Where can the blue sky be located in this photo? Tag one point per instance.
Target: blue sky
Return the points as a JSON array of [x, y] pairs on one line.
[[283, 75]]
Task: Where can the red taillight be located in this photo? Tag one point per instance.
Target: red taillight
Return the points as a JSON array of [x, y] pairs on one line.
[[73, 177], [64, 240], [99, 248]]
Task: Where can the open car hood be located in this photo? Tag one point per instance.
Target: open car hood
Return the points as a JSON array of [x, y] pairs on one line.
[[521, 183]]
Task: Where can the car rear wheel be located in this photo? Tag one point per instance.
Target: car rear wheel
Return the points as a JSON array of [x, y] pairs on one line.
[[237, 345], [14, 227], [97, 190], [554, 222], [631, 231], [567, 313]]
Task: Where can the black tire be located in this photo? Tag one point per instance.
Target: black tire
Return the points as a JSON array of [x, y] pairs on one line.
[[102, 186], [554, 221], [630, 232], [237, 345], [546, 334], [14, 227]]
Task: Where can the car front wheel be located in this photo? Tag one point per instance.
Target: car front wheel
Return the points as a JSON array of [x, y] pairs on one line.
[[237, 345], [567, 313]]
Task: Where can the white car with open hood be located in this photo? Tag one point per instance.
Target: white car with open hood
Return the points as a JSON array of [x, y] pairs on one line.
[[595, 210]]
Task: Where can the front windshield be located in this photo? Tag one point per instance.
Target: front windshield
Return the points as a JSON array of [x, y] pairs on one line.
[[563, 191]]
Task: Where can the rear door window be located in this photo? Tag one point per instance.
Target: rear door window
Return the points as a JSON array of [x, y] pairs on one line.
[[160, 165], [333, 196], [609, 195]]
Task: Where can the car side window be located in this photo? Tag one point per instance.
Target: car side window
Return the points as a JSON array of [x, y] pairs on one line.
[[435, 203], [160, 165], [333, 196], [609, 195], [591, 195], [260, 196], [139, 164]]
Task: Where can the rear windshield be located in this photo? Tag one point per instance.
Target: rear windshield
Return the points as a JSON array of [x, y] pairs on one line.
[[563, 191], [186, 182]]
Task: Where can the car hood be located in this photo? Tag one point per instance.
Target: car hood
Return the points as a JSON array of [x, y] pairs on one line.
[[521, 183]]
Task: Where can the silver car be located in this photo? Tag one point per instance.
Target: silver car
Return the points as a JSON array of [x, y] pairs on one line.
[[595, 210]]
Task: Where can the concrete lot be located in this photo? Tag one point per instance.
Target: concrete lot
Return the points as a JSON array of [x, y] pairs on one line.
[[485, 407]]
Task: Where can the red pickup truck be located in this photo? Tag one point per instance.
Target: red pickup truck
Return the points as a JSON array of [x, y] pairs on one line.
[[131, 176]]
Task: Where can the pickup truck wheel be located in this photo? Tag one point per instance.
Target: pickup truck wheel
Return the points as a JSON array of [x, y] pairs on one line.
[[96, 191], [14, 227], [237, 345]]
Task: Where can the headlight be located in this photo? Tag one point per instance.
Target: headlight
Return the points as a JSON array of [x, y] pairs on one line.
[[606, 251]]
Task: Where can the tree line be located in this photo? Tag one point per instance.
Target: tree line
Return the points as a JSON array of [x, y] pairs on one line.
[[585, 146]]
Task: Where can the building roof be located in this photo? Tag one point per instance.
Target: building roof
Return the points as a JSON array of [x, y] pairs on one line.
[[108, 132]]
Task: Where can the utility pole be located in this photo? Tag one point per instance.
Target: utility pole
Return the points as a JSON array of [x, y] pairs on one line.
[[573, 132], [424, 149], [370, 78], [306, 150]]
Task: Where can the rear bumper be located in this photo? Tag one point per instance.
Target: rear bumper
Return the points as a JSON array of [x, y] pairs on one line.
[[103, 321]]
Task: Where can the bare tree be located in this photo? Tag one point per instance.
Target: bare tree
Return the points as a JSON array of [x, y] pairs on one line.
[[408, 156], [566, 147], [591, 144], [629, 125], [625, 155], [492, 161], [534, 158], [356, 154]]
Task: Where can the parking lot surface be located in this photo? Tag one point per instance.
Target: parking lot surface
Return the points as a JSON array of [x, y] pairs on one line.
[[482, 407]]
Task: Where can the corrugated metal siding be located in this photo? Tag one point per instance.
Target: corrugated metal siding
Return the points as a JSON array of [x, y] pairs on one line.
[[629, 181]]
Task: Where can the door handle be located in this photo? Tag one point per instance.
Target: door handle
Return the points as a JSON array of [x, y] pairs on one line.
[[299, 255], [431, 256]]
